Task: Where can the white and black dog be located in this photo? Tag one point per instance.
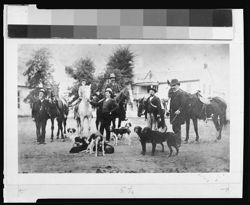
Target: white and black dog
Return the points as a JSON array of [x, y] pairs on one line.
[[96, 140], [71, 134], [122, 132]]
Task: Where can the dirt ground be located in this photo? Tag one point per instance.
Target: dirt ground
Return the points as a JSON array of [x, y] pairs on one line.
[[54, 157]]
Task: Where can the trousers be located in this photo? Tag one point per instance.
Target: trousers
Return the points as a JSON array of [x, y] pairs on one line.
[[105, 125], [177, 130], [151, 121]]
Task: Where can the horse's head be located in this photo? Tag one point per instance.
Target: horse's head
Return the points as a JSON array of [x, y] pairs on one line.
[[140, 107]]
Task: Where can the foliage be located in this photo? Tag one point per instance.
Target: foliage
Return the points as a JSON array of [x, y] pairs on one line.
[[39, 74], [83, 68]]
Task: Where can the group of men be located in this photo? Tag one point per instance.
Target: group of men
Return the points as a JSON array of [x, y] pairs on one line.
[[154, 109], [106, 105]]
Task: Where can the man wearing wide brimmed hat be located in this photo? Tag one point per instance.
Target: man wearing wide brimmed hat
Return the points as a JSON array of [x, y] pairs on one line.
[[177, 111], [113, 85], [153, 109], [108, 106]]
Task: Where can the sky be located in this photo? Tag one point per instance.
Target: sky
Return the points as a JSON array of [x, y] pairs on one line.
[[154, 57]]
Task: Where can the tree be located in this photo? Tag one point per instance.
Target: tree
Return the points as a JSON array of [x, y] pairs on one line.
[[121, 63], [81, 69], [39, 73]]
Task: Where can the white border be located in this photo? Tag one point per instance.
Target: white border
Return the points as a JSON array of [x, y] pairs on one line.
[[23, 187]]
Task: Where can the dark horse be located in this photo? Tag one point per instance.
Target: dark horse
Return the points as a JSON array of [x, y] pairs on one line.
[[122, 98], [49, 109], [195, 109], [59, 110], [141, 108]]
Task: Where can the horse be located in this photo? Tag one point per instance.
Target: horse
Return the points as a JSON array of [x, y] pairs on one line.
[[57, 109], [40, 114], [195, 108], [84, 111], [141, 108], [122, 98]]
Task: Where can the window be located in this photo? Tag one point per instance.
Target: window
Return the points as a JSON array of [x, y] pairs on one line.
[[18, 99]]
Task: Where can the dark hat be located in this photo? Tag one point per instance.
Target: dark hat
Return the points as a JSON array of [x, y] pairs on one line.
[[152, 88], [174, 82]]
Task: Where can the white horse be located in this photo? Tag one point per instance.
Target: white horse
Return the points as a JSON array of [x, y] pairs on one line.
[[84, 112]]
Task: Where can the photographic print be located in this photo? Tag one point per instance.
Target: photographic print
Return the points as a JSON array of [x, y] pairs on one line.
[[148, 108], [123, 103]]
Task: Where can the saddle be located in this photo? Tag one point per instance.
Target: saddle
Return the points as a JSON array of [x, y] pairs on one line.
[[205, 101]]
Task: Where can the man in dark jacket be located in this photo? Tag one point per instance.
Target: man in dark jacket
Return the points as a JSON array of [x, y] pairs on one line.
[[107, 106], [153, 109], [177, 107]]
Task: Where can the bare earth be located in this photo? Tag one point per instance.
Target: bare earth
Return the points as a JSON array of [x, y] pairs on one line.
[[54, 157]]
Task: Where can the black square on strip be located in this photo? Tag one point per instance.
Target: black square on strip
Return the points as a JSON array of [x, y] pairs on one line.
[[62, 31], [201, 17], [17, 31], [222, 17], [38, 31]]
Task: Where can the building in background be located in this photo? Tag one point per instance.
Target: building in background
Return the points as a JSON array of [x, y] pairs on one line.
[[198, 79]]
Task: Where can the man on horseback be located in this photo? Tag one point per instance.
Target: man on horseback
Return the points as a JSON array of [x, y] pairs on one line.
[[116, 89], [153, 108], [177, 111]]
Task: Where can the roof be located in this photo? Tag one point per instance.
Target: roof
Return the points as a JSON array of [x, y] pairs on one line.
[[162, 77]]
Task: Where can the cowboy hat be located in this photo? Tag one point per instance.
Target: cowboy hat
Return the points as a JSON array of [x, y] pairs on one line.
[[109, 90], [174, 82], [152, 88]]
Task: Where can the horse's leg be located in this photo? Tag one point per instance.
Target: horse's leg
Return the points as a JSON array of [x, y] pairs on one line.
[[220, 126], [216, 123], [187, 129], [58, 129], [195, 122], [52, 129], [64, 125], [119, 122]]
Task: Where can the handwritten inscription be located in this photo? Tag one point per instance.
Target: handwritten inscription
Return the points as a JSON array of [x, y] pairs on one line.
[[127, 190]]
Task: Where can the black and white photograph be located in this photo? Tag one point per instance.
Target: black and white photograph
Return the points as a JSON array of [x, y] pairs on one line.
[[123, 108]]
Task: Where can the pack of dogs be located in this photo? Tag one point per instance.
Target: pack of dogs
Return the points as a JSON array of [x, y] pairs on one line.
[[96, 143]]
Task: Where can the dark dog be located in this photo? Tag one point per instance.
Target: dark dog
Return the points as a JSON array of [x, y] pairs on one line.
[[80, 144], [115, 132], [155, 137]]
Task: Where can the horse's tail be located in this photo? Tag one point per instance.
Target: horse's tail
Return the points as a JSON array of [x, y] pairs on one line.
[[224, 117]]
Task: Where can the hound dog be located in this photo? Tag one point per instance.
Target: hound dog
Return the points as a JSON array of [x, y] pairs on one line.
[[94, 141], [122, 132], [71, 134], [147, 135]]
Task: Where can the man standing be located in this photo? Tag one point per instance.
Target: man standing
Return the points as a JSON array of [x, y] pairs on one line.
[[39, 117], [107, 106], [177, 104], [116, 88], [153, 108]]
